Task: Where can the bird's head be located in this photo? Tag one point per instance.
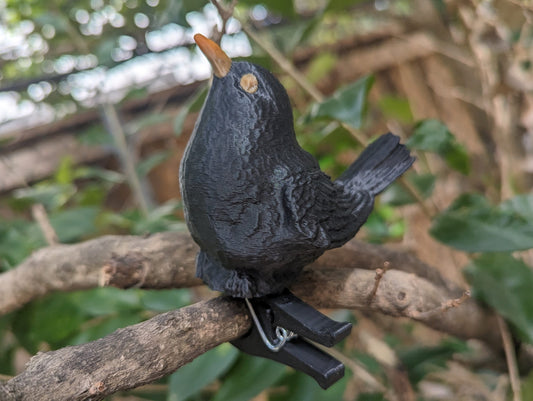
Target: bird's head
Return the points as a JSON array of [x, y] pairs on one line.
[[245, 95]]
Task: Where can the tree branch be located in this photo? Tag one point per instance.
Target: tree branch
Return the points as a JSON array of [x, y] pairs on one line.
[[164, 260], [161, 261], [341, 278], [139, 354], [147, 351], [399, 294], [129, 357]]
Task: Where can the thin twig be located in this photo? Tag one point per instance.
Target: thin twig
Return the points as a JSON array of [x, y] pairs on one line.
[[510, 357], [112, 122], [379, 275], [454, 303], [39, 214], [449, 304], [284, 63], [225, 15], [37, 210], [358, 135], [415, 194]]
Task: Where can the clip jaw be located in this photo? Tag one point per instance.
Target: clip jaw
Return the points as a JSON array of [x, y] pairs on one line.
[[285, 321]]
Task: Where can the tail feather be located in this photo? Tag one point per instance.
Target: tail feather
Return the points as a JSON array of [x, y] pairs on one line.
[[378, 166]]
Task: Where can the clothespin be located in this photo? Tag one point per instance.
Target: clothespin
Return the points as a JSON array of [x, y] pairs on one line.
[[282, 324]]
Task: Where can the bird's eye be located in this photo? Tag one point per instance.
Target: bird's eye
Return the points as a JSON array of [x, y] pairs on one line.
[[249, 83]]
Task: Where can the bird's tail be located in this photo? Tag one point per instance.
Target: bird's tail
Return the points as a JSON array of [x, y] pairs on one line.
[[378, 166]]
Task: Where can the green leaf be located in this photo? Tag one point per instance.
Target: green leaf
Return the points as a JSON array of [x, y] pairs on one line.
[[193, 377], [176, 11], [347, 105], [336, 140], [397, 108], [91, 195], [522, 205], [65, 172], [303, 388], [527, 386], [384, 224], [87, 172], [165, 300], [420, 361], [121, 221], [74, 224], [51, 320], [505, 284], [107, 300], [433, 136], [146, 121], [18, 239], [104, 49], [471, 224], [154, 160], [102, 327], [52, 196], [249, 377], [95, 135], [162, 218], [397, 195], [321, 66], [286, 37], [283, 7]]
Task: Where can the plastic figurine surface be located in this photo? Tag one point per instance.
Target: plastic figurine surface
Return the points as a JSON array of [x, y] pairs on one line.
[[261, 209], [258, 204]]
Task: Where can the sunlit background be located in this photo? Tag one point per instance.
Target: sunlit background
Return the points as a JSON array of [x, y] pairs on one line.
[[98, 99], [161, 58]]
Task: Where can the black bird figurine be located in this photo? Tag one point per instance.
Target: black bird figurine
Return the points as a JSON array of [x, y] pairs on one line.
[[258, 204]]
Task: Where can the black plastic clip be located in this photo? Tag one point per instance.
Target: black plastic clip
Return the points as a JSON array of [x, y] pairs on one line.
[[284, 322]]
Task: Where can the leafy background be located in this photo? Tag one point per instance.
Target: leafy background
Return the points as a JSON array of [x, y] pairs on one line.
[[466, 208]]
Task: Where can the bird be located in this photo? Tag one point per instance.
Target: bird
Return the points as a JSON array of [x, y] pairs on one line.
[[256, 203]]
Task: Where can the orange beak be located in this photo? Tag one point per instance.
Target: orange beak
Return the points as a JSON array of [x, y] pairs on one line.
[[219, 60]]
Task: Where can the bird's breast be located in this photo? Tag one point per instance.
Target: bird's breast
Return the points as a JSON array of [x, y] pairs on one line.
[[232, 196]]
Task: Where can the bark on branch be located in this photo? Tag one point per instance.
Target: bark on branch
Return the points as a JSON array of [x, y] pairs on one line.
[[129, 357], [164, 260], [142, 353], [409, 288], [147, 351], [158, 261]]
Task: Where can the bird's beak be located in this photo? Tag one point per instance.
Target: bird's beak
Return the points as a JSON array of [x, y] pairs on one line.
[[219, 60]]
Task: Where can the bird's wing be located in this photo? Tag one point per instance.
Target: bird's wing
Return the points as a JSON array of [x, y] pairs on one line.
[[325, 212]]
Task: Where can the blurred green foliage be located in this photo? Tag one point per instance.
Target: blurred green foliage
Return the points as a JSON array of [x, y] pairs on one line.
[[434, 136], [419, 361], [472, 224], [76, 199], [346, 105], [504, 282]]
